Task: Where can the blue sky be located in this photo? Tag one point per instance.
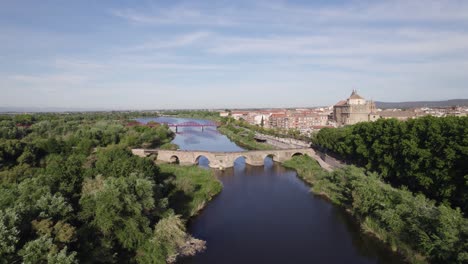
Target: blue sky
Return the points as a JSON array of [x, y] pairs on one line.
[[226, 54]]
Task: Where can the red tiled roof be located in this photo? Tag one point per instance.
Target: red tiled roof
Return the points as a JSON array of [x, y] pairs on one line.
[[278, 115], [342, 102]]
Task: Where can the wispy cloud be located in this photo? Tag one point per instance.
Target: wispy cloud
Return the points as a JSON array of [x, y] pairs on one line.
[[171, 42], [281, 13], [177, 15], [374, 11], [345, 44]]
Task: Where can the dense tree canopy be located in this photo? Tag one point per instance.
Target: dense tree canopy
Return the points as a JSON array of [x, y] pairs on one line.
[[428, 155], [71, 191]]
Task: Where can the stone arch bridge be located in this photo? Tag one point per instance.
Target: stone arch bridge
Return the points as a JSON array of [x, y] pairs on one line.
[[222, 160]]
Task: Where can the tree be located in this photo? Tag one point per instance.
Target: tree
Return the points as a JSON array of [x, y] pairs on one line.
[[427, 154], [117, 207], [43, 250], [9, 234], [116, 161]]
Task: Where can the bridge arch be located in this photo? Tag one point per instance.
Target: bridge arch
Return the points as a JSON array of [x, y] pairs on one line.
[[236, 158], [204, 159], [174, 159], [273, 156], [299, 153]]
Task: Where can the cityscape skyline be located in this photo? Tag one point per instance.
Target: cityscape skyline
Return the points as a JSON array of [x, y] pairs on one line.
[[262, 54]]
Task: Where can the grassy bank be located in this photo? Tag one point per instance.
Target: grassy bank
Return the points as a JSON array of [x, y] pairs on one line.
[[193, 187], [410, 224], [243, 138], [200, 114], [169, 146]]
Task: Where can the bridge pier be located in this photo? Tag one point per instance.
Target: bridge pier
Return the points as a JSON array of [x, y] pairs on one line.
[[221, 165], [255, 160]]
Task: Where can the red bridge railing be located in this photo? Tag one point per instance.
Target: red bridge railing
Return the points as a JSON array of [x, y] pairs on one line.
[[192, 124], [185, 124]]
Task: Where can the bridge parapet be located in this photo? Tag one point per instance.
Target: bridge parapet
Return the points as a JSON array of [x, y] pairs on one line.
[[139, 152]]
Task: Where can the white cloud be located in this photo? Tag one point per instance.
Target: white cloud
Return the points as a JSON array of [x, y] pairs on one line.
[[345, 44], [178, 15], [173, 42]]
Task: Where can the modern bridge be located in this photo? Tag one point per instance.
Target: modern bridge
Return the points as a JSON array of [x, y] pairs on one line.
[[223, 160]]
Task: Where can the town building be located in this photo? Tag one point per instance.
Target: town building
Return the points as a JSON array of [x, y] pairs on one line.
[[398, 114], [279, 120], [353, 110]]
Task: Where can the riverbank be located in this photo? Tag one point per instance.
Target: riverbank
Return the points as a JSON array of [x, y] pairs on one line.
[[243, 138], [193, 187], [410, 225]]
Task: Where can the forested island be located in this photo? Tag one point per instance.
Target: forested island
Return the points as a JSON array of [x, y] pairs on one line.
[[72, 192]]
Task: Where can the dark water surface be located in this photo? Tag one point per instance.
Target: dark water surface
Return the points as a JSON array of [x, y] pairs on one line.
[[267, 215]]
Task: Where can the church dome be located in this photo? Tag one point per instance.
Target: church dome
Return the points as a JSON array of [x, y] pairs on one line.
[[354, 95]]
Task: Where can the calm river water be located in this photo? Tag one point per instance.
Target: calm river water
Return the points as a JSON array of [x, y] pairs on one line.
[[268, 215]]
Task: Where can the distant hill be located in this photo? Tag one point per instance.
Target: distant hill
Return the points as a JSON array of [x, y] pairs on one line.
[[454, 102]]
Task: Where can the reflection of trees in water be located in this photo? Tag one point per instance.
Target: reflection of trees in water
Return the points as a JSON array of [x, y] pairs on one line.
[[365, 244]]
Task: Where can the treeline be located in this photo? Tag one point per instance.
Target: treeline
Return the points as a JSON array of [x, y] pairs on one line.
[[71, 191], [199, 114], [427, 155], [410, 224]]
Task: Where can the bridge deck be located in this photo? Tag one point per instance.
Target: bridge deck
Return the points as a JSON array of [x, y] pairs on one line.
[[223, 160]]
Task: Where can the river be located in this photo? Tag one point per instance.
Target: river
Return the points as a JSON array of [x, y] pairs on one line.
[[266, 214]]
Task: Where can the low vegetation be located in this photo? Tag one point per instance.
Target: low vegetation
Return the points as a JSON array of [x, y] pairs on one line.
[[192, 188], [410, 224], [243, 137]]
